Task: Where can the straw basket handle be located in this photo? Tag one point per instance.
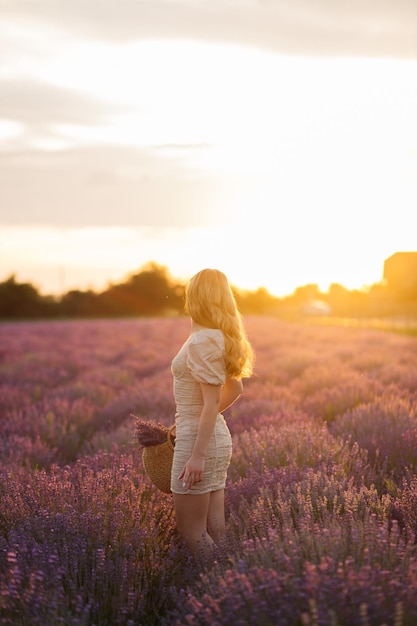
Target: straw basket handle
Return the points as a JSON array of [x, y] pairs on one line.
[[170, 435]]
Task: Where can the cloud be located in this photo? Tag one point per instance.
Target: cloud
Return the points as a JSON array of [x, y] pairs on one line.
[[304, 27], [49, 176], [116, 142], [107, 185], [42, 104]]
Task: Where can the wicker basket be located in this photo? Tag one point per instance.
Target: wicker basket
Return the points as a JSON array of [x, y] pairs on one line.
[[157, 461]]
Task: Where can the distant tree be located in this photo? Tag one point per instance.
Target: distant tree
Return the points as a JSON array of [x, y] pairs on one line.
[[77, 303], [255, 302], [149, 292], [20, 300], [338, 299], [337, 292], [349, 303], [306, 292]]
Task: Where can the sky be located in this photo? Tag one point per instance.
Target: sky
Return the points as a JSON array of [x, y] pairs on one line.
[[273, 139]]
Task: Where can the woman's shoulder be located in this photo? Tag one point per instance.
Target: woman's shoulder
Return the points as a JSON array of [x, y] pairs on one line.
[[204, 335], [205, 356]]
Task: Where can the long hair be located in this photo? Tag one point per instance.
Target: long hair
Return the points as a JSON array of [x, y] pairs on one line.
[[210, 302]]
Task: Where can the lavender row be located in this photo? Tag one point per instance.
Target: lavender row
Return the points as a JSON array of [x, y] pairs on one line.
[[321, 497]]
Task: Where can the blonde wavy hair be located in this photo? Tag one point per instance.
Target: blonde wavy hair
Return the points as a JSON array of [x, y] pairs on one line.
[[210, 302]]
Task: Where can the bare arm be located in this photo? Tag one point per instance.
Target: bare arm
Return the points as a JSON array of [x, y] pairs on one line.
[[230, 392]]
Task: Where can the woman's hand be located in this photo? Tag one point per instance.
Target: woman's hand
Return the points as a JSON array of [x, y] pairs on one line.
[[192, 472]]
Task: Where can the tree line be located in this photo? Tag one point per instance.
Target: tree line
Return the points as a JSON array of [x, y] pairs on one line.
[[153, 292]]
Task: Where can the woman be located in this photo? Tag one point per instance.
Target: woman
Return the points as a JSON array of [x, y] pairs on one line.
[[207, 374]]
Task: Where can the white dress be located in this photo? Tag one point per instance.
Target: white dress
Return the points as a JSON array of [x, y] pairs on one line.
[[200, 360]]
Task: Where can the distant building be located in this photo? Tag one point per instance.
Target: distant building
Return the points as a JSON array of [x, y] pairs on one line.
[[400, 272]]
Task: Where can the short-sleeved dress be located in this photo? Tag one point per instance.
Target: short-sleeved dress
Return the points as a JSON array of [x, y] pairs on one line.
[[200, 360]]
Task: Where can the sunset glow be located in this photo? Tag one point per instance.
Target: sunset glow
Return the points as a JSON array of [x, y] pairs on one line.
[[281, 169]]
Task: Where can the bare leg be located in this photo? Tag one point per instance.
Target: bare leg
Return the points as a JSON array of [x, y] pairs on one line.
[[191, 513], [215, 519]]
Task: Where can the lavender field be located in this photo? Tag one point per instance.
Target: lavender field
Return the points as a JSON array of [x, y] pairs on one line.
[[321, 501]]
